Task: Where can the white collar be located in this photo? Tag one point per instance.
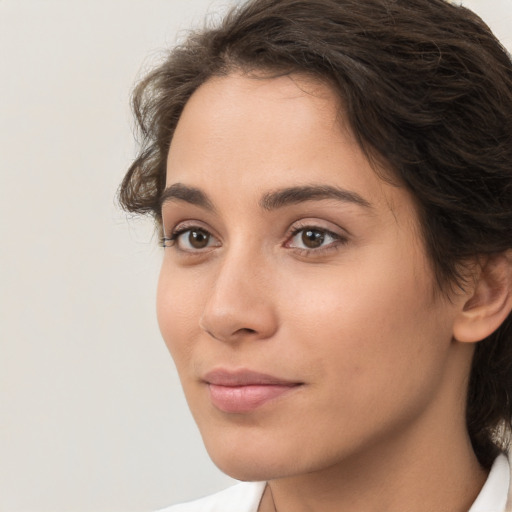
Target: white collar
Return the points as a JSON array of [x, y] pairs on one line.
[[493, 496]]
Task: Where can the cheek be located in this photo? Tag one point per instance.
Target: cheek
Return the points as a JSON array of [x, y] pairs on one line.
[[178, 305], [356, 298], [367, 329]]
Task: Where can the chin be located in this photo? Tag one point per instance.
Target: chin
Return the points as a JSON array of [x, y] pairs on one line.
[[247, 470], [251, 464], [251, 461]]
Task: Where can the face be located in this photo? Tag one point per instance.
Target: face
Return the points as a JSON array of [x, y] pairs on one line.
[[295, 295]]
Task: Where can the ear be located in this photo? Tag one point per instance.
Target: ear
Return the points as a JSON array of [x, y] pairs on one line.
[[490, 299]]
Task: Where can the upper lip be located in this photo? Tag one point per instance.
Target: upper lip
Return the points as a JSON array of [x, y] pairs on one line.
[[243, 377]]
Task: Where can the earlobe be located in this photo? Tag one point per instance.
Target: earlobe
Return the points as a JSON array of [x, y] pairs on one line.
[[490, 300]]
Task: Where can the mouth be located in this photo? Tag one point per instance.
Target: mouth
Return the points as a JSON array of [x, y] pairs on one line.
[[244, 391]]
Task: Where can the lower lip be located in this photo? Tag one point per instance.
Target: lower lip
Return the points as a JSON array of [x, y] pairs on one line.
[[239, 399]]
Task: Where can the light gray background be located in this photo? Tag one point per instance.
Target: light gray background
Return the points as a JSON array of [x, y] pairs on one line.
[[91, 412]]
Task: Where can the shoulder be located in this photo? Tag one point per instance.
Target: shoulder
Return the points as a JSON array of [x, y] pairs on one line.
[[243, 497]]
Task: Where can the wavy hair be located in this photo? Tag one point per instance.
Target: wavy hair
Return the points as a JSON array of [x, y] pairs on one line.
[[426, 89]]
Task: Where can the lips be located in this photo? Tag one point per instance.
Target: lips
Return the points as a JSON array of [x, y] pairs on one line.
[[244, 391]]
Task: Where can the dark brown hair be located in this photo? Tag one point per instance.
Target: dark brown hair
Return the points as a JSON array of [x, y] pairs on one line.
[[426, 89]]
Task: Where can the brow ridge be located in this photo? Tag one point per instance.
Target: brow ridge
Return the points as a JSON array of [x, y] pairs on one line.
[[186, 193], [293, 195], [271, 200]]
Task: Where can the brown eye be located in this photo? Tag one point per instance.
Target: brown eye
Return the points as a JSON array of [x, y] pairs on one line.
[[198, 239], [312, 238], [191, 240]]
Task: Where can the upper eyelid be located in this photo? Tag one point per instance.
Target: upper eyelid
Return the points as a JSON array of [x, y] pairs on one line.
[[319, 225], [298, 229], [173, 237], [296, 226], [185, 225], [336, 236]]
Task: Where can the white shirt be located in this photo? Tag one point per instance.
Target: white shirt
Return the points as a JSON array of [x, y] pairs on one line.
[[246, 496], [493, 496]]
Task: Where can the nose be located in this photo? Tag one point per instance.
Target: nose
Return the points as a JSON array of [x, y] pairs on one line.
[[241, 302]]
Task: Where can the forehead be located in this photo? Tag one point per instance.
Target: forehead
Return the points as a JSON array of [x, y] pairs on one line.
[[253, 111], [257, 133]]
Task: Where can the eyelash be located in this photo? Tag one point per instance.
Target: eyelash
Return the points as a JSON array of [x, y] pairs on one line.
[[337, 239], [171, 241]]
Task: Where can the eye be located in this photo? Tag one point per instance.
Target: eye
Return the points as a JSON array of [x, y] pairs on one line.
[[311, 238], [191, 239]]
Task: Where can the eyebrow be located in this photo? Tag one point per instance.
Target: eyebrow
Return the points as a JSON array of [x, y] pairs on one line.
[[271, 200], [294, 195], [192, 195]]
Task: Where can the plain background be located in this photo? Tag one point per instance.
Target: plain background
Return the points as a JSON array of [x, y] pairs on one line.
[[91, 412]]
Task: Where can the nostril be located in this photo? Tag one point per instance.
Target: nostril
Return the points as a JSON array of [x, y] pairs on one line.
[[227, 319], [246, 330], [242, 332]]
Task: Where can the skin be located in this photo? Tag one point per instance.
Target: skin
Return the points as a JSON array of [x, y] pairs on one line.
[[377, 423]]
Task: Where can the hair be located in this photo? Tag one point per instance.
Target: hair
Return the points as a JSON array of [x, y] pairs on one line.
[[426, 89]]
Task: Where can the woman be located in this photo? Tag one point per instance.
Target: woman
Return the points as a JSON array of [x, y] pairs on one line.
[[333, 184]]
